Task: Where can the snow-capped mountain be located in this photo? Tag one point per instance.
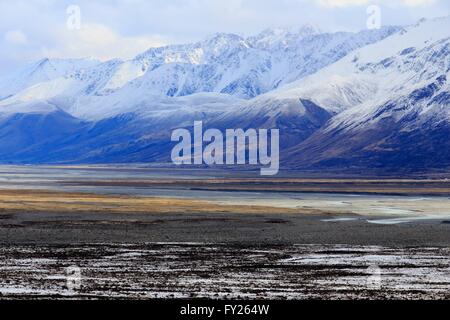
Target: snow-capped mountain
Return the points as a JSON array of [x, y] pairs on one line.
[[222, 63], [245, 68], [41, 71], [370, 99], [394, 102]]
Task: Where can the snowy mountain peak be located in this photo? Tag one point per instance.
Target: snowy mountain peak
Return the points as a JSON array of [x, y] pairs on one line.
[[282, 37], [221, 38], [304, 31], [308, 30], [46, 69]]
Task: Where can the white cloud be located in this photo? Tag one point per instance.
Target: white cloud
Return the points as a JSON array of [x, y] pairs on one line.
[[347, 3], [414, 3], [99, 41], [341, 3], [16, 37]]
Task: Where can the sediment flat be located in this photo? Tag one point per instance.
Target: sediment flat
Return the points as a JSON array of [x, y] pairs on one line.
[[141, 247], [44, 217], [435, 187], [223, 271], [54, 201]]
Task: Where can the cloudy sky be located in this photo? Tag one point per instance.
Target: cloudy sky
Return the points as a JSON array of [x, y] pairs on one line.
[[33, 29]]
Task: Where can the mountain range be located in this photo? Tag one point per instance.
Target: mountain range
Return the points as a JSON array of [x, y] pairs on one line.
[[376, 99]]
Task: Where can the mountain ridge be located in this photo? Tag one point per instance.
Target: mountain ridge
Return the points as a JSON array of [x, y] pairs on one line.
[[360, 102]]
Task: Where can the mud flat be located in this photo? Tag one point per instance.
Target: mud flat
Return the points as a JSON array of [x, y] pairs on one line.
[[223, 238], [220, 254], [194, 270], [436, 187], [54, 201]]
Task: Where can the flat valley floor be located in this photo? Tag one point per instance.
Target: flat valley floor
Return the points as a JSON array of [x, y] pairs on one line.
[[104, 234]]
